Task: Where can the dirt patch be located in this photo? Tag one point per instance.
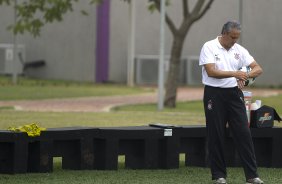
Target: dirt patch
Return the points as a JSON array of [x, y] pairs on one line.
[[104, 104]]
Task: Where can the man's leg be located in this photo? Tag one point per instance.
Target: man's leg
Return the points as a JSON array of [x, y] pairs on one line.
[[238, 124], [215, 121]]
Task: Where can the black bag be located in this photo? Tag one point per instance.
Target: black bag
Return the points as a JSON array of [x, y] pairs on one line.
[[264, 117]]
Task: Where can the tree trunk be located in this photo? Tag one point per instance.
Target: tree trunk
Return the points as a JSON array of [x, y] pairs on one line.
[[189, 17], [173, 74]]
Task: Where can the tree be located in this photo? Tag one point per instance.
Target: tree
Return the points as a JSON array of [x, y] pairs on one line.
[[32, 15], [179, 35]]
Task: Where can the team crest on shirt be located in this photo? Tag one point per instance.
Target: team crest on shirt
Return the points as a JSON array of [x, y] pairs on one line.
[[209, 106], [236, 56]]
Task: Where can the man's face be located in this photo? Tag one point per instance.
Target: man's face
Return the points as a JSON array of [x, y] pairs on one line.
[[229, 39]]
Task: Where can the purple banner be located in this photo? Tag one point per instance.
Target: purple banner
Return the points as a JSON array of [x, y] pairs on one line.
[[102, 42]]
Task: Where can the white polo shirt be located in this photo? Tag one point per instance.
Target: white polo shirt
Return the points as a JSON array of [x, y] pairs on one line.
[[232, 60]]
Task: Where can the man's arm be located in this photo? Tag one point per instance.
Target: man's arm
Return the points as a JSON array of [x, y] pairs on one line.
[[256, 70], [213, 72]]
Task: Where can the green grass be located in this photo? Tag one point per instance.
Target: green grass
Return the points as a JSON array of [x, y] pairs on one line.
[[191, 107], [54, 119], [183, 175], [273, 101], [197, 106], [185, 113], [30, 89]]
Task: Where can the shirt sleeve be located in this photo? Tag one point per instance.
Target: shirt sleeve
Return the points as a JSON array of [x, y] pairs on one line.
[[206, 55], [247, 58]]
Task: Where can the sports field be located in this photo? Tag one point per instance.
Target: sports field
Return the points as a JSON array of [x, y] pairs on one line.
[[185, 113]]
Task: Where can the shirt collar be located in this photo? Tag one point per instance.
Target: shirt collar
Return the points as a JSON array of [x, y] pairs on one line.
[[220, 46], [218, 43]]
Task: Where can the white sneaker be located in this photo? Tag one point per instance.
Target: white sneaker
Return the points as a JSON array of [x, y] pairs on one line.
[[254, 181], [220, 181]]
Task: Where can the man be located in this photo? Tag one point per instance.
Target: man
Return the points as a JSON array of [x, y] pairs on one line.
[[221, 60]]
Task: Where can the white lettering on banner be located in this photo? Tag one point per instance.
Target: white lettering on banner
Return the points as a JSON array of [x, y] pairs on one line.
[[265, 117], [167, 132]]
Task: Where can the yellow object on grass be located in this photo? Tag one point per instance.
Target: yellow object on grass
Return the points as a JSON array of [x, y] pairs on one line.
[[32, 130]]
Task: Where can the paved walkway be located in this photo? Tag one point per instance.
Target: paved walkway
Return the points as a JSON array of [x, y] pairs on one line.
[[104, 104]]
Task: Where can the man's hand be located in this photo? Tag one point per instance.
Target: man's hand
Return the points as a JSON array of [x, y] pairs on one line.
[[241, 75], [241, 84]]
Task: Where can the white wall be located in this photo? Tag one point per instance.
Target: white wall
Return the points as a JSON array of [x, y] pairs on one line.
[[69, 46], [260, 34]]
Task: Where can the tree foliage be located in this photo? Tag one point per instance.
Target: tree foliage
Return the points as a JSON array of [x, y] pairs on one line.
[[32, 15]]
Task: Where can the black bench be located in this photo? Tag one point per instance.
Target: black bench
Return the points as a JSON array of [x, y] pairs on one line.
[[144, 147], [192, 141], [73, 144], [13, 152], [139, 145], [267, 144]]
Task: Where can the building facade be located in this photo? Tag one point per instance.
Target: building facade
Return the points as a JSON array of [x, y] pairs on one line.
[[78, 49]]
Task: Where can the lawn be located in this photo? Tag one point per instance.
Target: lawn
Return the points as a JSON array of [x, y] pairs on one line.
[[30, 89], [183, 175], [185, 113]]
